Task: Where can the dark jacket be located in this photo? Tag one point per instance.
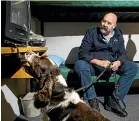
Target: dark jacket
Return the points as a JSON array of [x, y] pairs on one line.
[[93, 47]]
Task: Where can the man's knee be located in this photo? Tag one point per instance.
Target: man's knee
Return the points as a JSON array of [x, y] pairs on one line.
[[81, 65], [131, 66]]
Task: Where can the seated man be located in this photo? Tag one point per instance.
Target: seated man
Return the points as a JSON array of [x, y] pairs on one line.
[[100, 47]]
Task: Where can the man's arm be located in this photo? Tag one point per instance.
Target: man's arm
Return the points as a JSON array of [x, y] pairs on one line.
[[86, 46], [102, 63], [122, 53]]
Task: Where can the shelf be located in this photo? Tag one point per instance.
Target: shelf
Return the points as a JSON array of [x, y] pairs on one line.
[[16, 70], [9, 50]]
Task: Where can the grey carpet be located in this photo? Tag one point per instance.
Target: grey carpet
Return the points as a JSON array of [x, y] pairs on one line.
[[132, 107]]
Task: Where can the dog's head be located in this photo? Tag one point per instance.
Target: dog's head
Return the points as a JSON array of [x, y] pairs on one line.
[[33, 60], [31, 56], [39, 64]]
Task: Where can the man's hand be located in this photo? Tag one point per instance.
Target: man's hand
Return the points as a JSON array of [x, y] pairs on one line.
[[115, 65], [102, 63]]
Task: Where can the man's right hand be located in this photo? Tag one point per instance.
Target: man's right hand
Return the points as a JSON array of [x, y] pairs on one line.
[[102, 63]]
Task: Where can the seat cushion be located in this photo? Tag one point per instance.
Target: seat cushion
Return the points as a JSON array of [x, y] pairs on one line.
[[65, 70], [57, 59]]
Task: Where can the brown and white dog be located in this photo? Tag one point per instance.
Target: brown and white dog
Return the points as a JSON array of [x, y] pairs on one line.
[[65, 102], [48, 75]]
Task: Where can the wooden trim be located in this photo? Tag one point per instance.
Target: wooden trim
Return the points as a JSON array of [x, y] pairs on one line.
[[9, 50]]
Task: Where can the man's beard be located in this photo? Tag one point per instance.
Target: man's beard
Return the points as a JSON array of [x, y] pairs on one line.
[[105, 31]]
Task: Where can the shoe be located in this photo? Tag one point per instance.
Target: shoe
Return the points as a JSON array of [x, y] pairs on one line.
[[94, 103], [113, 105]]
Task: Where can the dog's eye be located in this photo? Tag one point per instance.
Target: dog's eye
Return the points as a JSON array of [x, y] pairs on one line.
[[51, 72], [27, 53]]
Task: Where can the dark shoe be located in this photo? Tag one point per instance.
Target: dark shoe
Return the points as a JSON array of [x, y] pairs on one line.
[[113, 105], [94, 103]]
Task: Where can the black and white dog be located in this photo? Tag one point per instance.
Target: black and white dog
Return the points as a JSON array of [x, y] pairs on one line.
[[65, 103]]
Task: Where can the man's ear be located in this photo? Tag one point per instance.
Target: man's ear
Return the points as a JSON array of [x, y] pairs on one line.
[[114, 26]]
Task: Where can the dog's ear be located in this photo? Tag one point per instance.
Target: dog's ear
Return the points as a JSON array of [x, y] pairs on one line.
[[36, 67], [41, 99], [37, 70]]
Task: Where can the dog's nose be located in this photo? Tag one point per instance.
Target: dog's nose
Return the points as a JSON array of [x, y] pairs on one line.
[[28, 52]]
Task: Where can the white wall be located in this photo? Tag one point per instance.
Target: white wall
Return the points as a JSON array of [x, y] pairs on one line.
[[52, 29], [62, 37]]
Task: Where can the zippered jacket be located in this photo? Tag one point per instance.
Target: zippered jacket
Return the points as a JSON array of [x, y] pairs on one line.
[[94, 47]]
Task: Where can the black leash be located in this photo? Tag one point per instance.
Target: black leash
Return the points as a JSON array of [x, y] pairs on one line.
[[88, 86], [120, 102], [19, 55]]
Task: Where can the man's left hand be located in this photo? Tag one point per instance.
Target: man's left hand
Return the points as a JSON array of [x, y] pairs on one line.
[[115, 65]]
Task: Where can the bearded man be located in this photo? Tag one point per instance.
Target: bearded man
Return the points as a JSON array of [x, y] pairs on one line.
[[100, 47]]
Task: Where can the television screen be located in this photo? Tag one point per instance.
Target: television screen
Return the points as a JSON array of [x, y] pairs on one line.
[[18, 10], [15, 22]]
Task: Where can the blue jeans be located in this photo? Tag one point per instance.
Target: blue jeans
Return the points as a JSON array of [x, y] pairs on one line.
[[127, 73]]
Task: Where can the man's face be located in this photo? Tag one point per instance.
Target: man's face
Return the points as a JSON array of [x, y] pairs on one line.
[[107, 25]]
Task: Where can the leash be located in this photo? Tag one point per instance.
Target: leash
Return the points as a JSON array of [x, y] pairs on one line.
[[119, 101], [19, 55], [88, 86]]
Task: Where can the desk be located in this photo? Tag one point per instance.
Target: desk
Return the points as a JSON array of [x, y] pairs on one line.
[[20, 73]]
